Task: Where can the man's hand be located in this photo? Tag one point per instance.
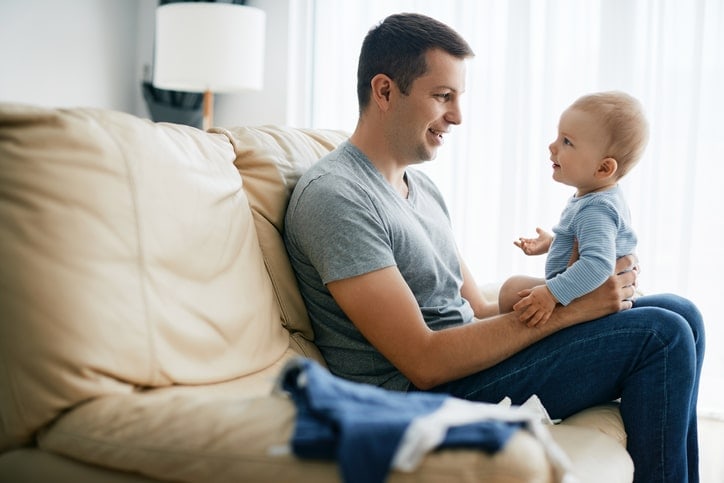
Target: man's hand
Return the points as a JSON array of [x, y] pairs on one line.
[[535, 246], [629, 264]]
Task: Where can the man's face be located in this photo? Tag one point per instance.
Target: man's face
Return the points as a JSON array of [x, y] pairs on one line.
[[420, 120]]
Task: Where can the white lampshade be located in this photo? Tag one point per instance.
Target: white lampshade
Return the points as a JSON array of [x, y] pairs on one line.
[[215, 47]]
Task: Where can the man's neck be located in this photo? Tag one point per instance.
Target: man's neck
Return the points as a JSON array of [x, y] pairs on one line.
[[373, 143], [374, 146]]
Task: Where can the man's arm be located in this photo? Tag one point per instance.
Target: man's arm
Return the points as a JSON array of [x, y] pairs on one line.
[[471, 292], [614, 295], [383, 308]]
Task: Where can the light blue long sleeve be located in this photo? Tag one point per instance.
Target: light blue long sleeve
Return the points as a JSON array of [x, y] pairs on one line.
[[601, 223]]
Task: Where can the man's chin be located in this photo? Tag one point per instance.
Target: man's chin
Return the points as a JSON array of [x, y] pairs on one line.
[[427, 154]]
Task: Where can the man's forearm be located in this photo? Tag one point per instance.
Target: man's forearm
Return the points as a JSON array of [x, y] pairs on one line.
[[576, 312], [613, 296]]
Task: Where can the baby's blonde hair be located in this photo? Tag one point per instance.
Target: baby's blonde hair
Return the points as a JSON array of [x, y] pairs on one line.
[[623, 118]]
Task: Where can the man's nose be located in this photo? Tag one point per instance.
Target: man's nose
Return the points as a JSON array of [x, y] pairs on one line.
[[454, 114]]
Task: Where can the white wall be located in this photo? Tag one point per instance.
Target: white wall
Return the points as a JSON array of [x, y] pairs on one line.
[[96, 53], [76, 53]]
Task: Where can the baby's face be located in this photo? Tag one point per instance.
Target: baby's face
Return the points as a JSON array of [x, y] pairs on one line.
[[578, 150]]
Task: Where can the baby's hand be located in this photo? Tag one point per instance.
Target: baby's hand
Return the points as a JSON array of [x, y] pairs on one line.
[[535, 246], [536, 305]]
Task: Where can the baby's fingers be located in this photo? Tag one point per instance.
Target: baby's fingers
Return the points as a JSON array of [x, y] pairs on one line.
[[527, 314], [534, 319], [521, 304]]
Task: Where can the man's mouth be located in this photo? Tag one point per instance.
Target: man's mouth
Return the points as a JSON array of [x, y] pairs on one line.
[[436, 133]]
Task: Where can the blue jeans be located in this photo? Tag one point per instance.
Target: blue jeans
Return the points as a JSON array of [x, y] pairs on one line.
[[649, 356]]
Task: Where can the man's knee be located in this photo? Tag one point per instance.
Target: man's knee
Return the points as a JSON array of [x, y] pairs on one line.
[[681, 306]]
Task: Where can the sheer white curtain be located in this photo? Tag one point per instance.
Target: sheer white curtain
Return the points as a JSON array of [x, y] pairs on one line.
[[533, 58]]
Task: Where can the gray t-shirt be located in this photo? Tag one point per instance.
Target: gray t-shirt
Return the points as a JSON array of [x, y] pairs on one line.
[[344, 219]]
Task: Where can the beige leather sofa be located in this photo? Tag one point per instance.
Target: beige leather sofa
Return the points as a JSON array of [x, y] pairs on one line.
[[147, 304]]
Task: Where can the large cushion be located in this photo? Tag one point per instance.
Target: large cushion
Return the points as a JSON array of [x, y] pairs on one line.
[[270, 160], [129, 258]]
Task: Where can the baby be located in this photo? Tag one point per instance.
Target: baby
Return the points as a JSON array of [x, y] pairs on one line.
[[601, 137]]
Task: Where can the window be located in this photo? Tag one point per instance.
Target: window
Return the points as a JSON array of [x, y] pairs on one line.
[[533, 58]]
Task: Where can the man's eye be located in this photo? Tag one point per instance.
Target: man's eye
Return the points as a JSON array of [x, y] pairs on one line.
[[445, 96]]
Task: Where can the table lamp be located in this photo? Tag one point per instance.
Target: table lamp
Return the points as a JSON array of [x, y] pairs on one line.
[[209, 47]]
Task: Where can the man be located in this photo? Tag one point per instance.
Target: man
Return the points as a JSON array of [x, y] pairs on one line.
[[393, 303]]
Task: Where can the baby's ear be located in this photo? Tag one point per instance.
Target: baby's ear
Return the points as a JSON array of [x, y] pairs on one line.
[[607, 168]]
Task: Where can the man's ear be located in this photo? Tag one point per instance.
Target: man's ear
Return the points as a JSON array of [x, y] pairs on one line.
[[607, 168], [381, 88]]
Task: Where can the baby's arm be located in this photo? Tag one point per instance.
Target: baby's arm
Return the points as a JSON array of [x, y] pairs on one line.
[[596, 229], [535, 246], [536, 306]]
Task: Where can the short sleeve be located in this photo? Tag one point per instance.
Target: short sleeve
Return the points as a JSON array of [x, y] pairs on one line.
[[339, 229]]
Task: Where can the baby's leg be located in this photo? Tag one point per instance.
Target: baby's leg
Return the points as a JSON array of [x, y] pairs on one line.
[[508, 295]]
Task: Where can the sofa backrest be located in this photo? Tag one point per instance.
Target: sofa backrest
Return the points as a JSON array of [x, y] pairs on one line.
[[128, 257], [270, 160]]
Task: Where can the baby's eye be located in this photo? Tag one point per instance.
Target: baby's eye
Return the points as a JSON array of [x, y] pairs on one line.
[[567, 142]]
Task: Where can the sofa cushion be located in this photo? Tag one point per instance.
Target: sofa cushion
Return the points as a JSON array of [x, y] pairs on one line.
[[606, 418], [238, 431], [216, 433], [271, 159], [129, 258]]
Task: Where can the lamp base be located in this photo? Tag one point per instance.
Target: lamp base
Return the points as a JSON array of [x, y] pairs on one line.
[[174, 106], [208, 109]]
